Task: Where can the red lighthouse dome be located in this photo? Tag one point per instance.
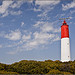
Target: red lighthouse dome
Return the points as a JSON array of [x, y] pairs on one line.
[[64, 30]]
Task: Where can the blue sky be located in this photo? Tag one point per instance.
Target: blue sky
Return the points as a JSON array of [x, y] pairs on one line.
[[30, 30]]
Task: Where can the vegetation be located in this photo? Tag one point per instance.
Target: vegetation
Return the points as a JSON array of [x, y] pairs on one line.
[[38, 67]]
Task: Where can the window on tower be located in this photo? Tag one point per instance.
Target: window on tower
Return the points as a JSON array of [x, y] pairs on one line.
[[64, 23]]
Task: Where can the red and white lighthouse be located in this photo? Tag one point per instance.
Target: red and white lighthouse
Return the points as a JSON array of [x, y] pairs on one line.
[[65, 43]]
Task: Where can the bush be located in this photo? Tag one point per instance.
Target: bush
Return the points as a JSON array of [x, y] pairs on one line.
[[54, 72]]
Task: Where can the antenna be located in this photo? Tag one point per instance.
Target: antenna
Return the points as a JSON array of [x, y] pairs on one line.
[[64, 18]]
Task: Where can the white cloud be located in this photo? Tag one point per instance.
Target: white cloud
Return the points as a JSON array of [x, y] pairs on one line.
[[44, 14], [15, 12], [39, 39], [56, 38], [5, 14], [44, 7], [42, 37], [72, 11], [57, 30], [30, 45], [47, 26], [25, 38], [17, 4], [46, 2], [22, 23], [5, 8], [47, 34], [68, 6], [36, 9], [5, 5], [39, 23], [14, 35]]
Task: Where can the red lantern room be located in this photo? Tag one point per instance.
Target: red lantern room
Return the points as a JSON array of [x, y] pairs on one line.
[[64, 30]]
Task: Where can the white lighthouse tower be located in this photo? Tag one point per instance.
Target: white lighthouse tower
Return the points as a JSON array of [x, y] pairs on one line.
[[65, 43]]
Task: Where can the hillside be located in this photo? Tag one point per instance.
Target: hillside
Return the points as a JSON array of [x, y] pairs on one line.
[[38, 67]]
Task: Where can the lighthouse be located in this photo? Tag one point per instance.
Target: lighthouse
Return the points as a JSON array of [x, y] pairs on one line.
[[65, 43]]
